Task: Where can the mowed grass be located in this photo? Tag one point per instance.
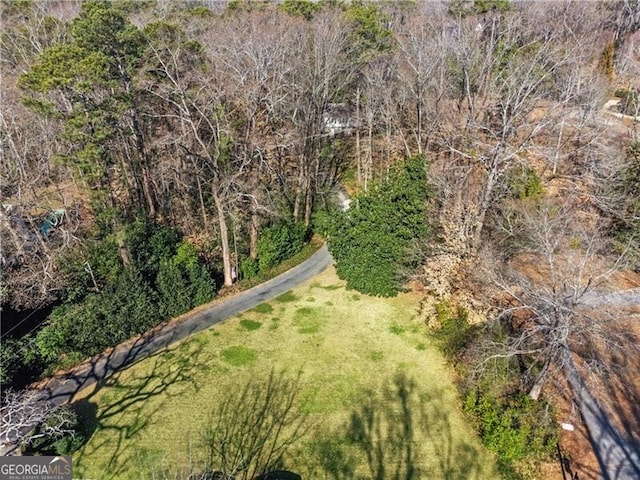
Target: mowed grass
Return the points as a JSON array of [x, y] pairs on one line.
[[371, 382]]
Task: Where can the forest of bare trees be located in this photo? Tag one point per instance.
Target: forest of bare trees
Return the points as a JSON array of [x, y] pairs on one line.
[[213, 121]]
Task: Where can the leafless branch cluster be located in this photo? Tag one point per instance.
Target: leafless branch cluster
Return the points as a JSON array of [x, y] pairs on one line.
[[27, 416]]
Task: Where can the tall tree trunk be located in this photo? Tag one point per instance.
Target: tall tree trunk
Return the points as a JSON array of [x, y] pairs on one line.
[[300, 189], [308, 203], [369, 159], [146, 188], [419, 118], [224, 240], [536, 389], [254, 226], [122, 247], [485, 202], [140, 144], [358, 158], [203, 210]]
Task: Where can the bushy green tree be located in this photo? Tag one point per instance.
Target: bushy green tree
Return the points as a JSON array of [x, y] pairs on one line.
[[513, 426], [371, 239], [183, 282], [150, 243], [305, 8], [524, 182], [371, 34], [279, 242], [86, 82], [466, 8], [112, 302]]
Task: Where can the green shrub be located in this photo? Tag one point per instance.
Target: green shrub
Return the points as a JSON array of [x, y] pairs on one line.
[[70, 442], [279, 242], [370, 241], [453, 328], [127, 308], [321, 223], [103, 260], [19, 361], [513, 426], [150, 243], [249, 268], [164, 279], [183, 282], [10, 355], [304, 8], [123, 309], [524, 182]]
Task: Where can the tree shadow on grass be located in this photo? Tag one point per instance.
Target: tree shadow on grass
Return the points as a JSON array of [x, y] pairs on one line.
[[398, 433], [125, 409], [618, 409]]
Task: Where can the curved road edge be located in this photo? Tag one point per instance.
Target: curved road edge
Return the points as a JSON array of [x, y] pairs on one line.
[[62, 388]]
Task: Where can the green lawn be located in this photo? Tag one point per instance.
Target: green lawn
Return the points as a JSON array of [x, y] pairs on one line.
[[377, 392]]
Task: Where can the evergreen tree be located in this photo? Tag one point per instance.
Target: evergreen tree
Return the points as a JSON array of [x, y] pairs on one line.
[[371, 239], [86, 82]]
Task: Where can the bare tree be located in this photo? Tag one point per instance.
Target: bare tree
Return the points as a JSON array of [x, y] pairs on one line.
[[30, 258], [27, 416], [192, 101], [504, 78], [422, 72], [549, 284], [561, 322], [258, 74], [323, 75]]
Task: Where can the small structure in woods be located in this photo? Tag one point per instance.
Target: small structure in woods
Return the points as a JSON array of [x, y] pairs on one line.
[[338, 118]]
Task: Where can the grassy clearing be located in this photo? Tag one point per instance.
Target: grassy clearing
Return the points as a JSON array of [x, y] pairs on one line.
[[371, 379]]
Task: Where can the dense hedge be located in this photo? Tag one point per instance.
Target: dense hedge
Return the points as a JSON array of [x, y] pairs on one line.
[[279, 242], [370, 241], [183, 282], [123, 309], [108, 302]]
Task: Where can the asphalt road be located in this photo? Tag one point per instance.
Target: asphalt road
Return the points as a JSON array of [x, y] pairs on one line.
[[62, 388]]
